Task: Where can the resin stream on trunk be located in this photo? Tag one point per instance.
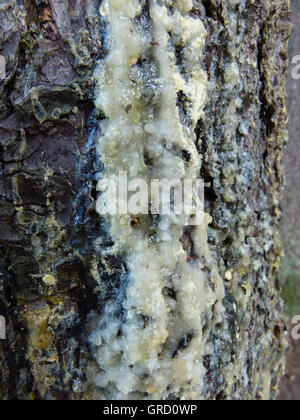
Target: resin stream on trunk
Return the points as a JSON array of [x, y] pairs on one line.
[[152, 89]]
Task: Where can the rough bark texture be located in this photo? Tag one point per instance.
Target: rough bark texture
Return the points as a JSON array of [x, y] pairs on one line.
[[49, 231], [290, 273]]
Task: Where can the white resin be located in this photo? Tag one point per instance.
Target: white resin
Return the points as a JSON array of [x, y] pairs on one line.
[[138, 363]]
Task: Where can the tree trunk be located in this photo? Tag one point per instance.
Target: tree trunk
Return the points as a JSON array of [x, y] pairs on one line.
[[122, 307]]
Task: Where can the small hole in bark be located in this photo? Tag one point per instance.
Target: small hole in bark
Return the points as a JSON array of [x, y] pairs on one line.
[[221, 396], [277, 332]]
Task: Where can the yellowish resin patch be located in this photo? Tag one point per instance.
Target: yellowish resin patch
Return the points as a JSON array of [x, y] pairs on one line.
[[172, 302]]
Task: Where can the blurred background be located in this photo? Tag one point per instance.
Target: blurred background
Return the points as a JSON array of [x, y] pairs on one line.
[[290, 270]]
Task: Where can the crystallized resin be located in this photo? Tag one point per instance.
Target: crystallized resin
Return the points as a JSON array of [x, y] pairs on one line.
[[152, 90]]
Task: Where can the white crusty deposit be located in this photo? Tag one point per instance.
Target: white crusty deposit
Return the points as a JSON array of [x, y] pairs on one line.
[[152, 89]]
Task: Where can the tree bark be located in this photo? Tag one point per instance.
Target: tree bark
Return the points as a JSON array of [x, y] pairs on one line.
[[58, 273]]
